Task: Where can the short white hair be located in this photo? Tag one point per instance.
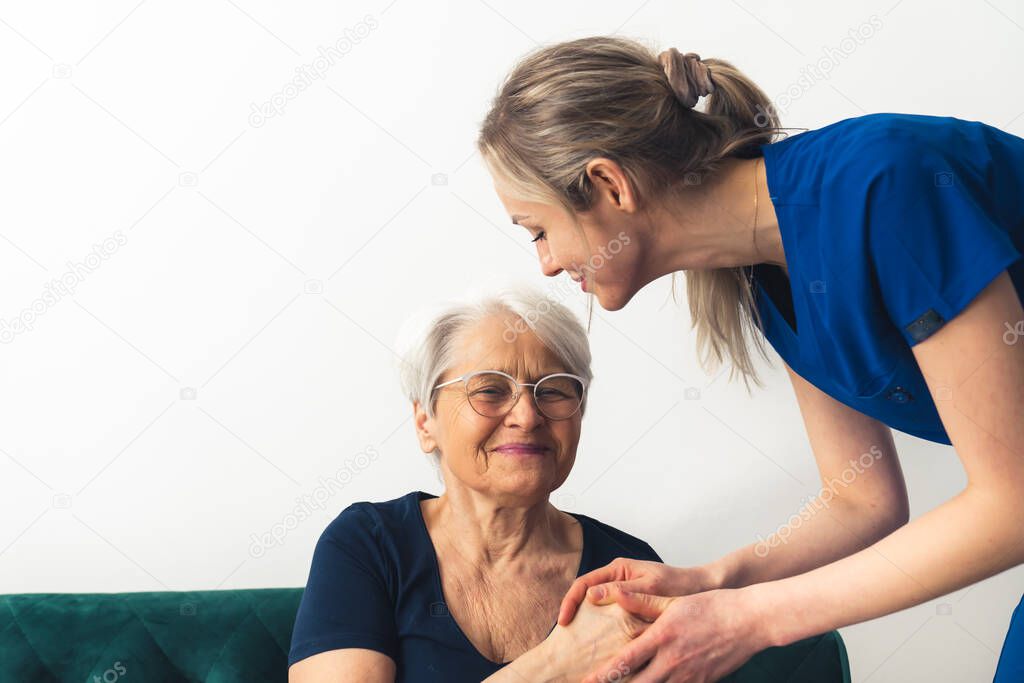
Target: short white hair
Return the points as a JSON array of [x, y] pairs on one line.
[[429, 352]]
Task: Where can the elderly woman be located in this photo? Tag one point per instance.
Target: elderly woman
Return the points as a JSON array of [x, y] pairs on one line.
[[466, 586]]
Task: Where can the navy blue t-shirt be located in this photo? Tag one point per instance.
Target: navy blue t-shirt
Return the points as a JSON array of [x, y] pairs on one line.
[[891, 225], [374, 583]]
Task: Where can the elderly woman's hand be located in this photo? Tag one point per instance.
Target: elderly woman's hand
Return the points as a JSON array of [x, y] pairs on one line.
[[594, 636], [700, 637], [602, 586]]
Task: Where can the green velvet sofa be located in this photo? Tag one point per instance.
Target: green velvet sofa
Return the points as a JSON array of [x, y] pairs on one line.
[[236, 636]]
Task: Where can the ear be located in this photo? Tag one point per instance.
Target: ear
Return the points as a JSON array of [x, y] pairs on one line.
[[424, 428], [611, 184]]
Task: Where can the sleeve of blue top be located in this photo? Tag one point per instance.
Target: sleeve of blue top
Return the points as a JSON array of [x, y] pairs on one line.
[[346, 602], [933, 236]]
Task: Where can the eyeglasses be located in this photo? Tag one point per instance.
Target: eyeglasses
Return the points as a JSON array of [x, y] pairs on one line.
[[492, 393]]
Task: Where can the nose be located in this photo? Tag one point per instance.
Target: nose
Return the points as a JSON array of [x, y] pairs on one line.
[[548, 265], [524, 412], [549, 269]]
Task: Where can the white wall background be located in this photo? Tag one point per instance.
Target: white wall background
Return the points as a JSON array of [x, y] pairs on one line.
[[231, 350]]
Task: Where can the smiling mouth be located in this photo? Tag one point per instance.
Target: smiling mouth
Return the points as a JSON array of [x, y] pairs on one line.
[[521, 449]]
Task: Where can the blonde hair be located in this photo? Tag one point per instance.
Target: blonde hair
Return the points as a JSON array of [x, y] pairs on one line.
[[565, 104]]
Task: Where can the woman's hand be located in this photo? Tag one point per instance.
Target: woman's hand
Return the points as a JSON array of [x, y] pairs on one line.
[[602, 585], [589, 644], [700, 637]]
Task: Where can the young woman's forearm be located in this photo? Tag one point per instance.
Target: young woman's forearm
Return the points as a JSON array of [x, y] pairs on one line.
[[969, 538], [814, 536]]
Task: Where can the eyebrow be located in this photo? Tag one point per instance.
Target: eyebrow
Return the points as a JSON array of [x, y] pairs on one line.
[[511, 371], [517, 217]]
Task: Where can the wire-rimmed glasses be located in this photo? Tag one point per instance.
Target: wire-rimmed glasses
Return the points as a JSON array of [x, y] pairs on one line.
[[492, 393]]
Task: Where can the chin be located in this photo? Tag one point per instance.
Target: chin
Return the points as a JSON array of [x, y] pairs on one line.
[[612, 300]]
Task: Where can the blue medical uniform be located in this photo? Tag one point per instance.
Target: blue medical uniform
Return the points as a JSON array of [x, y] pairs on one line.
[[891, 225]]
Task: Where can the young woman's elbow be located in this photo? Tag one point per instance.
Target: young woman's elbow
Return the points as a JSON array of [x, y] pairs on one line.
[[887, 516]]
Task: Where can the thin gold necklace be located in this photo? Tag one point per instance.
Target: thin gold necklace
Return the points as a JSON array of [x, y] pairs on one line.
[[755, 207]]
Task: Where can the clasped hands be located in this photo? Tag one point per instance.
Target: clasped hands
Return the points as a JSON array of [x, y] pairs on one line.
[[646, 622]]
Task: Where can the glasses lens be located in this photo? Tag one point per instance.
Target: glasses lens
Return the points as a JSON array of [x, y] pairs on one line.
[[559, 397], [490, 394]]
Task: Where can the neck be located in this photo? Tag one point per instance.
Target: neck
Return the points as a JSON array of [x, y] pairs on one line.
[[488, 533], [712, 225]]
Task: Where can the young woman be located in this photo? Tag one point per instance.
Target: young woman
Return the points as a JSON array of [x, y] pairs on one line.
[[878, 255]]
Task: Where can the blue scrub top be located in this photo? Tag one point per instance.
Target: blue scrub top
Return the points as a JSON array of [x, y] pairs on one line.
[[891, 224], [375, 583]]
